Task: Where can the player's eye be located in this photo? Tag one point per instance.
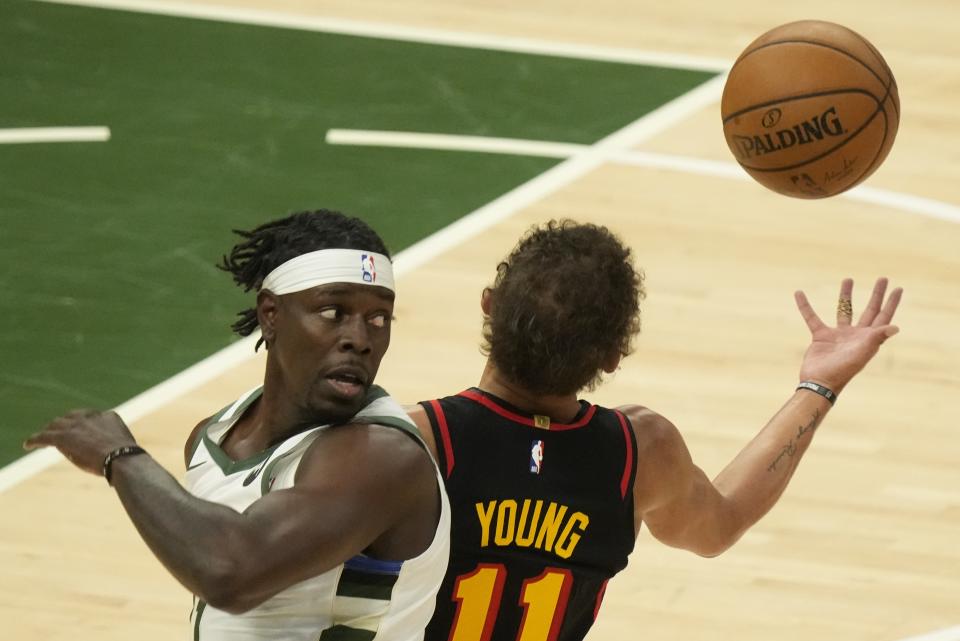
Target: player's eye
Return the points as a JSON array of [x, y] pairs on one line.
[[379, 320], [330, 313]]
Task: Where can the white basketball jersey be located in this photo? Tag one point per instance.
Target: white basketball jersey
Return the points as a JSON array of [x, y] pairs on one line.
[[364, 599]]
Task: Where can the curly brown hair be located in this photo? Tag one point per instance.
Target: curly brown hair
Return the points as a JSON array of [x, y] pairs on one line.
[[564, 301]]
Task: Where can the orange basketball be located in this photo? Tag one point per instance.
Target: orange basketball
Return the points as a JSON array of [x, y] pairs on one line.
[[810, 109]]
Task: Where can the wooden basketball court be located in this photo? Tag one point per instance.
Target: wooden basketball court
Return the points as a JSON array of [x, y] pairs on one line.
[[864, 544]]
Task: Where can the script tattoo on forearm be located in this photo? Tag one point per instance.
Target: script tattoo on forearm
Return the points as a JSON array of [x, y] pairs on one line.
[[791, 448]]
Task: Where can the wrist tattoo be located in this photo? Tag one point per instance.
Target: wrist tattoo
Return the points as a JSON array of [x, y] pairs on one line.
[[790, 449]]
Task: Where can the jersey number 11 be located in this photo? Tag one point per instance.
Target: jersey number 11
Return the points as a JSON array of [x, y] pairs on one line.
[[543, 598]]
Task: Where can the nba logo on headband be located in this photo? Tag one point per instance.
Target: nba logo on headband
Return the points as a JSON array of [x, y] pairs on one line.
[[368, 270], [326, 266]]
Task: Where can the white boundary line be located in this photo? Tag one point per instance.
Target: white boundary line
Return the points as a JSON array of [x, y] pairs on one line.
[[947, 634], [409, 259], [927, 207], [305, 22], [140, 405], [23, 135], [521, 147], [414, 140], [560, 175]]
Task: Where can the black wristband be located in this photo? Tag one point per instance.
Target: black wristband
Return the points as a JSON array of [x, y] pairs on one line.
[[128, 450], [816, 388]]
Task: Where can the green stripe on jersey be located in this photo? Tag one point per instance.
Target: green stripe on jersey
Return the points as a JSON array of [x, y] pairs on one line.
[[213, 420], [266, 478], [375, 393], [201, 606], [227, 464]]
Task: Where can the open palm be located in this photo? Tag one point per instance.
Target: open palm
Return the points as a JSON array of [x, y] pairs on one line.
[[836, 354]]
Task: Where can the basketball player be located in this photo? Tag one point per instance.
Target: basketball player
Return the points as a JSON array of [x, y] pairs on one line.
[[548, 492], [312, 510]]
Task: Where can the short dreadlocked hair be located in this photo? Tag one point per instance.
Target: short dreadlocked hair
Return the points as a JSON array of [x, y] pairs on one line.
[[564, 301], [271, 244]]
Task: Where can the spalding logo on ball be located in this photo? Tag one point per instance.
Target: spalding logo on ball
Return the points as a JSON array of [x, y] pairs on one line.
[[810, 109]]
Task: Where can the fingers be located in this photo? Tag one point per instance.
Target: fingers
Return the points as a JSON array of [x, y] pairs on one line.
[[36, 441], [890, 308], [81, 413], [49, 435], [881, 334], [873, 307], [45, 437], [876, 314], [809, 316], [845, 303], [889, 331]]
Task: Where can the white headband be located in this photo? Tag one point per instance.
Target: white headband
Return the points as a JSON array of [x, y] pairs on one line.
[[330, 266]]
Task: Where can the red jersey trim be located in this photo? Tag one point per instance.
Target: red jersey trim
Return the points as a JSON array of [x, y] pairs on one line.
[[600, 593], [492, 405], [628, 463], [444, 435]]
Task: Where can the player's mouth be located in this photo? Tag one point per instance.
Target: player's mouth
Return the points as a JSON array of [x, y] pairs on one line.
[[347, 382]]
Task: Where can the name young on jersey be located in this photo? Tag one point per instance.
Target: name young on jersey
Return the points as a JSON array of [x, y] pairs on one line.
[[551, 527]]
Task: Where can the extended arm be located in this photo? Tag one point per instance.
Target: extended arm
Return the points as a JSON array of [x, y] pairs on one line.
[[675, 498], [346, 499]]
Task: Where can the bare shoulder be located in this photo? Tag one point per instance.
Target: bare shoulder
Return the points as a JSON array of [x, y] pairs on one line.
[[654, 431], [382, 477], [418, 415], [663, 460], [368, 454]]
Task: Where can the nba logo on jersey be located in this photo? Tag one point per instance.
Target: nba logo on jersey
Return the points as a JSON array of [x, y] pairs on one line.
[[368, 270], [536, 457]]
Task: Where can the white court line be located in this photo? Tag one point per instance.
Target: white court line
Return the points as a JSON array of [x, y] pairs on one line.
[[947, 634], [409, 259], [699, 166], [23, 135], [484, 144], [927, 207], [560, 175], [140, 405], [305, 22]]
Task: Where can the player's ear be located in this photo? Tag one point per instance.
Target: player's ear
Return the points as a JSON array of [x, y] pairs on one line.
[[486, 301], [268, 304], [612, 362]]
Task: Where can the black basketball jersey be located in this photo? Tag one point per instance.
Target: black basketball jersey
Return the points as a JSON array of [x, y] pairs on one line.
[[542, 517]]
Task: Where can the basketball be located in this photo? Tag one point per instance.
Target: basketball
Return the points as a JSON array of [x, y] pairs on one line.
[[810, 109]]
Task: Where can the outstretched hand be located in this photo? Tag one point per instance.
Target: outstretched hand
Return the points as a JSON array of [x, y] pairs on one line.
[[837, 354], [84, 437]]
